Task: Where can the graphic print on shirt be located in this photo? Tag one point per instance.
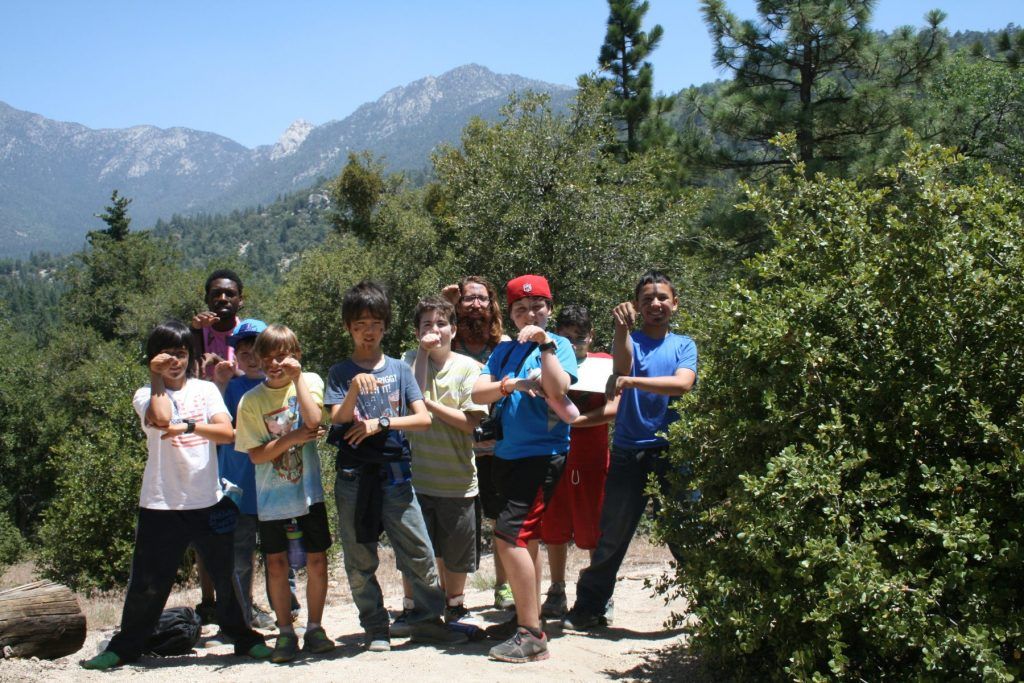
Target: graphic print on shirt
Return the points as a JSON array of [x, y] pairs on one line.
[[288, 465], [193, 410], [387, 400]]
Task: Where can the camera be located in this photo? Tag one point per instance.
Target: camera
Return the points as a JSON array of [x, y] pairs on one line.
[[489, 429]]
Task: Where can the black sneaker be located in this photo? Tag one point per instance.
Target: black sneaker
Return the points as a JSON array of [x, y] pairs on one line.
[[577, 620], [455, 613], [555, 605], [504, 630], [435, 632]]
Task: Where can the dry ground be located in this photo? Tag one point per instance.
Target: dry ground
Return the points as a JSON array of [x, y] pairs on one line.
[[635, 647]]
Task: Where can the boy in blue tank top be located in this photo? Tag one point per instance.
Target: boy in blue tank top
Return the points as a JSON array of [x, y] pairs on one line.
[[651, 366]]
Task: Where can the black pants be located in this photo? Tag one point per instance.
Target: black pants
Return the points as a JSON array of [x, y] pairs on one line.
[[161, 538]]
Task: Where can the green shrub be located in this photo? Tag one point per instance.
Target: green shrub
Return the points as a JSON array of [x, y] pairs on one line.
[[87, 534], [857, 436], [12, 545]]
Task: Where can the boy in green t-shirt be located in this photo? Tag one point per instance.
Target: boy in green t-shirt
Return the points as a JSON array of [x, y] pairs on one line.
[[444, 471]]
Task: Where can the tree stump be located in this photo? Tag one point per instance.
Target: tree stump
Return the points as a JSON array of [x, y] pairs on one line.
[[41, 619]]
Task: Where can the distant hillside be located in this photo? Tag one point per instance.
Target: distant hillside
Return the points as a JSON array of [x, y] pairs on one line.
[[54, 175]]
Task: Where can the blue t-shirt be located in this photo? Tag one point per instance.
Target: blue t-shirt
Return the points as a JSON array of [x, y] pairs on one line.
[[235, 466], [530, 428], [642, 415], [397, 390]]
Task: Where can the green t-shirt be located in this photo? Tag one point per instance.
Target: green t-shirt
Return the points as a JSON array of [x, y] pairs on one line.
[[442, 456]]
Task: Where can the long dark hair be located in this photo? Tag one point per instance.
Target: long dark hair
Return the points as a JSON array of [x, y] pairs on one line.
[[497, 327]]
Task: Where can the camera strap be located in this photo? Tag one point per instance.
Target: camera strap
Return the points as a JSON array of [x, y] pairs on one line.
[[512, 348]]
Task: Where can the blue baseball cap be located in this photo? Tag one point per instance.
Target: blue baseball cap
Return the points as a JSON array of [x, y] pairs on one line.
[[248, 328]]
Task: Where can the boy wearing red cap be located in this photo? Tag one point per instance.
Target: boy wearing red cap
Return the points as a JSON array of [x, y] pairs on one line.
[[530, 453]]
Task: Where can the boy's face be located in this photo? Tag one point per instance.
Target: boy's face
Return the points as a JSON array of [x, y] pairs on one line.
[[530, 310], [656, 304], [271, 364], [224, 299], [179, 363], [247, 360], [367, 331], [579, 338], [439, 328]]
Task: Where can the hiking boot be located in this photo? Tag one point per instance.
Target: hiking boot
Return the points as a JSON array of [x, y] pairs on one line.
[[503, 597], [436, 632], [101, 662], [521, 648], [207, 612], [555, 605], [378, 641], [577, 620], [262, 619], [317, 642], [503, 630], [285, 649]]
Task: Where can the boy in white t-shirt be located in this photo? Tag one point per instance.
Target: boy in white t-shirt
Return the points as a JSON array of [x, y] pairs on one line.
[[181, 502]]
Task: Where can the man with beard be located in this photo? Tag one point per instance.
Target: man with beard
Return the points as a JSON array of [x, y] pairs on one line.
[[479, 330]]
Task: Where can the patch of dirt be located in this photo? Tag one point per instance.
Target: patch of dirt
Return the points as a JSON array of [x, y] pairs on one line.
[[635, 647]]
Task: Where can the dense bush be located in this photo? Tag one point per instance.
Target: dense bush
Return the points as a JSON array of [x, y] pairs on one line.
[[12, 545], [87, 533], [857, 435]]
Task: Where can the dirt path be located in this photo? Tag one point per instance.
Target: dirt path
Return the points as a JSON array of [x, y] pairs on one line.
[[636, 646]]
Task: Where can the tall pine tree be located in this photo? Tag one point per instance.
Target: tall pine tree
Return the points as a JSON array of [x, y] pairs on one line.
[[814, 68], [116, 217], [622, 55]]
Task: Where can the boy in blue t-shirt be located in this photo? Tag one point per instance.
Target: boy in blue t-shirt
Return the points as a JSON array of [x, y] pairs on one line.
[[530, 453], [373, 399], [651, 366]]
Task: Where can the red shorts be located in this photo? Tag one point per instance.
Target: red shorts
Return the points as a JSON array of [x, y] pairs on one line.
[[574, 511]]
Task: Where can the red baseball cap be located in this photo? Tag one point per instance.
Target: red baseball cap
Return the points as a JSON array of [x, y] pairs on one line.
[[527, 285]]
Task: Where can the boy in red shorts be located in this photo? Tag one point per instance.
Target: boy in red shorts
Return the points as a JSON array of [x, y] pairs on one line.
[[574, 511]]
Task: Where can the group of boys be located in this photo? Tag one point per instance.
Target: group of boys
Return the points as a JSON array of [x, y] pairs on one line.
[[412, 436]]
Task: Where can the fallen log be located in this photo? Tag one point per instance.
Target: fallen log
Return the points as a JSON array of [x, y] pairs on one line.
[[40, 619]]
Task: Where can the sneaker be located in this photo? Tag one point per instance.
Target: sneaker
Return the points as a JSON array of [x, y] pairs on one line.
[[103, 661], [503, 630], [400, 626], [503, 597], [317, 642], [379, 641], [576, 620], [456, 613], [259, 651], [609, 612], [436, 632], [521, 648], [262, 619], [207, 612], [285, 649], [555, 605]]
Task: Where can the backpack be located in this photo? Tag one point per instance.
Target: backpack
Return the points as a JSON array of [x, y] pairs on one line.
[[176, 633]]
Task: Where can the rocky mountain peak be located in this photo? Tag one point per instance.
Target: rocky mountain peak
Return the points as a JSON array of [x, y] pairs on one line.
[[291, 139]]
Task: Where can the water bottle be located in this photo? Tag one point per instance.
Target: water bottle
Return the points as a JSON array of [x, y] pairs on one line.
[[296, 551]]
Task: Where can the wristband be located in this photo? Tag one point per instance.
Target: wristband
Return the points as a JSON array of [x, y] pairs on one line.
[[190, 426], [547, 346], [501, 387]]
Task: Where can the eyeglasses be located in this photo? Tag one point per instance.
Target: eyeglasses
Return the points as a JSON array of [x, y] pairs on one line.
[[579, 341], [470, 298]]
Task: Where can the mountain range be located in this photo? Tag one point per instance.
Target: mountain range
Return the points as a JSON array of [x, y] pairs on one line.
[[54, 175]]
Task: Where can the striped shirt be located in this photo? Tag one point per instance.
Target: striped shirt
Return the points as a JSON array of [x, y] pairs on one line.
[[442, 456]]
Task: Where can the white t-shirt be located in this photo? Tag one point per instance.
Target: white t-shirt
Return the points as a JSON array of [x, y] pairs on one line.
[[181, 472]]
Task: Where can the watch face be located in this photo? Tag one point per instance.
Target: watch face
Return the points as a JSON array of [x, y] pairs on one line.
[[384, 422]]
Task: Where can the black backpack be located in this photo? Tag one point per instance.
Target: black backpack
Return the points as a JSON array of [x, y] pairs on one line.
[[176, 633]]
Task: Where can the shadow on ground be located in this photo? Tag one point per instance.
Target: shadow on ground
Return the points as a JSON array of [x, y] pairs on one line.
[[675, 663]]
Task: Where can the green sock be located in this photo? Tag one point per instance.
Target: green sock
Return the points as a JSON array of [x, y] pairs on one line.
[[103, 661]]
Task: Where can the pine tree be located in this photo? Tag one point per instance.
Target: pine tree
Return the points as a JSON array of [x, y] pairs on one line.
[[116, 217], [623, 53], [814, 68]]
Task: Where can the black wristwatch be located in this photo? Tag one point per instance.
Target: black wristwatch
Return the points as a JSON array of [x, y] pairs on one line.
[[385, 423], [190, 426], [547, 346]]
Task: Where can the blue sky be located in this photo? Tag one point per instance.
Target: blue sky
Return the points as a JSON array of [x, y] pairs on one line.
[[248, 69]]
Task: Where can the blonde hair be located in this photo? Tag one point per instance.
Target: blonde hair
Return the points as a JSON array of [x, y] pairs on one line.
[[276, 339]]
